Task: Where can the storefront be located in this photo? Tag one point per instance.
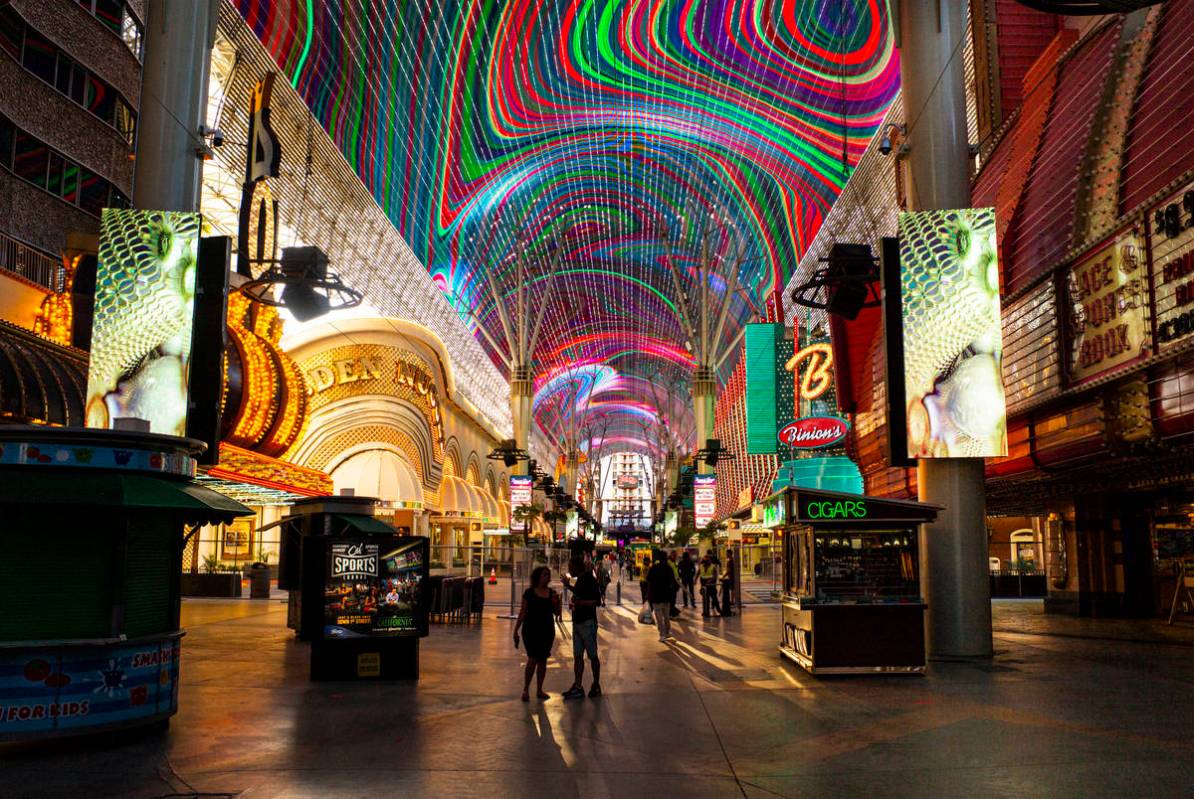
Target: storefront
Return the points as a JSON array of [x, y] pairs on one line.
[[386, 421]]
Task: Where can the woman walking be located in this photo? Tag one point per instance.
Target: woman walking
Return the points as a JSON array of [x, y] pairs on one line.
[[541, 607]]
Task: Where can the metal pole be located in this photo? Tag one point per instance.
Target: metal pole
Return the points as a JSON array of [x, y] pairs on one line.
[[178, 42], [954, 548]]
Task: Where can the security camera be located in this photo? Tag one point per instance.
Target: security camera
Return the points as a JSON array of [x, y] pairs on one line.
[[885, 143], [217, 138]]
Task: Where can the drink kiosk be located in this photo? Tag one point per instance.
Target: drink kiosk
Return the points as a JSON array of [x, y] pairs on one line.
[[852, 602]]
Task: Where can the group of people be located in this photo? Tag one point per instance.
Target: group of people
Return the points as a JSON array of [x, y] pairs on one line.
[[542, 609], [541, 613], [671, 575]]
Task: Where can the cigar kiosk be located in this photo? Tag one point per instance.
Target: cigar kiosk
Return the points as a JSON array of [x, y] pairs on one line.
[[851, 601]]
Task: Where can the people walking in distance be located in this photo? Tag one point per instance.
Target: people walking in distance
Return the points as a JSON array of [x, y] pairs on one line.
[[537, 617], [707, 574], [586, 594], [661, 588], [603, 576], [728, 577], [642, 579], [687, 578], [674, 565]]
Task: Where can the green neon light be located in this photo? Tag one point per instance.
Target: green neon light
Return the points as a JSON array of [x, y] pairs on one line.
[[306, 45]]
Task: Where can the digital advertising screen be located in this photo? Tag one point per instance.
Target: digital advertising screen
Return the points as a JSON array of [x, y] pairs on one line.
[[374, 587], [141, 337], [951, 356], [521, 488]]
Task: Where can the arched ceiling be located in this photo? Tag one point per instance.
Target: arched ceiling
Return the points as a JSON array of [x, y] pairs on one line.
[[607, 137]]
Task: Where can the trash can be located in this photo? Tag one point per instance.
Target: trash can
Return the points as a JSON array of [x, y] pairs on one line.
[[259, 581]]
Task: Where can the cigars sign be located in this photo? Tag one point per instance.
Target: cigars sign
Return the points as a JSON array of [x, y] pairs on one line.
[[1106, 296]]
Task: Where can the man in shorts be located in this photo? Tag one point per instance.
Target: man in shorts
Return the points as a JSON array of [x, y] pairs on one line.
[[586, 594]]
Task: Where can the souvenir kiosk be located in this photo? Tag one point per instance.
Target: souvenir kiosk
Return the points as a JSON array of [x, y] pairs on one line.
[[94, 525], [851, 594]]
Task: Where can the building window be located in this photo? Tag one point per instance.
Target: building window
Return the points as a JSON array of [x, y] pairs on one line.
[[118, 18], [43, 58], [34, 162]]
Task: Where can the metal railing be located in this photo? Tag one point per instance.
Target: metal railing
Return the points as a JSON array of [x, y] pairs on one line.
[[30, 263]]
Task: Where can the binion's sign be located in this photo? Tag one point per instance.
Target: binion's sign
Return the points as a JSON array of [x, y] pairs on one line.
[[814, 432]]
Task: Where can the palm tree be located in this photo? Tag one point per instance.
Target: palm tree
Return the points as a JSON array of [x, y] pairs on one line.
[[527, 514]]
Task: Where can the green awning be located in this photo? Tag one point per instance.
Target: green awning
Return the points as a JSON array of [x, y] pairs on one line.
[[365, 524], [190, 501]]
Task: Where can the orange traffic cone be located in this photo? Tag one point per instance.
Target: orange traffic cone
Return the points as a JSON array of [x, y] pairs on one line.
[[492, 575]]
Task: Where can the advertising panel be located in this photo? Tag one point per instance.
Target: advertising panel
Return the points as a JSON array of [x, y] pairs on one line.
[[704, 498], [144, 311], [1171, 242], [373, 587], [1107, 309], [87, 688], [952, 344], [521, 487]]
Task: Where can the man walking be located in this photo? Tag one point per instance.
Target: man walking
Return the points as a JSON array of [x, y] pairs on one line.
[[661, 584], [586, 594], [707, 574], [687, 578]]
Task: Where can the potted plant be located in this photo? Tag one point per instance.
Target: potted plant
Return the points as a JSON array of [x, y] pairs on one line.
[[214, 580]]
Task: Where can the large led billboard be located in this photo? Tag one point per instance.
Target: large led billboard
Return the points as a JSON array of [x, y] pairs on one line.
[[952, 347], [141, 339]]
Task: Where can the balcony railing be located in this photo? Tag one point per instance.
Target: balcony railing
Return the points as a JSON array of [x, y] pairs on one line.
[[30, 263]]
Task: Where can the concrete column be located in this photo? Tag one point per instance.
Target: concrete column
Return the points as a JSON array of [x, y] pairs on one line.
[[954, 548], [704, 393], [521, 393], [178, 42]]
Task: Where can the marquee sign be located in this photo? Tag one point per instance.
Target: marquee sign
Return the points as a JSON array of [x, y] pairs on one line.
[[1171, 242], [704, 499], [1107, 313], [257, 233]]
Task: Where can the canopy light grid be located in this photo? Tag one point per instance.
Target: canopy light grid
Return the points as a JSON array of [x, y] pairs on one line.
[[495, 132]]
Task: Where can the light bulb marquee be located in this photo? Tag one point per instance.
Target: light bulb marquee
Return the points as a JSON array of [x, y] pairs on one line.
[[491, 133]]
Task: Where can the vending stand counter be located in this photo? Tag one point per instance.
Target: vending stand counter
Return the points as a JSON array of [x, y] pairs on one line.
[[852, 602], [94, 525]]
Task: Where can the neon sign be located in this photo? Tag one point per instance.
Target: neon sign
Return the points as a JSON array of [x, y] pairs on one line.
[[817, 378]]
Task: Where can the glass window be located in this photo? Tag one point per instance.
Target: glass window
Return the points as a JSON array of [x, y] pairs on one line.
[[54, 175], [70, 182], [11, 31], [30, 159], [40, 56], [125, 120], [131, 32], [93, 192], [78, 83], [6, 136], [111, 13], [100, 99], [118, 200], [62, 82]]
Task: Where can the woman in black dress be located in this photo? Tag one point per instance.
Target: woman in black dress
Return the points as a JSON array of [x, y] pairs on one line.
[[540, 609]]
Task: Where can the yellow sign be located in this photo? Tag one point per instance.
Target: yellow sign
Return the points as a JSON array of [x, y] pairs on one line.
[[369, 664], [1108, 308], [818, 377]]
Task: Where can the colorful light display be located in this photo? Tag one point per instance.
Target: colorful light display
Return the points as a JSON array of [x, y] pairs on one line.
[[952, 351], [492, 133]]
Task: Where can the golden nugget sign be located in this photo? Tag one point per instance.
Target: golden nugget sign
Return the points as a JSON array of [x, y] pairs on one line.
[[366, 368], [370, 369]]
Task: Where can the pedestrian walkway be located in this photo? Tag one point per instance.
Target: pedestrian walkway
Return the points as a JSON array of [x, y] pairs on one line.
[[714, 713]]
